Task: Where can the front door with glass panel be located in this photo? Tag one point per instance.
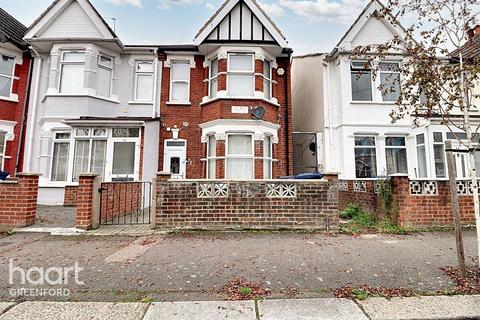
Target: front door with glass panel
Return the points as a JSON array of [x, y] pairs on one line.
[[175, 158]]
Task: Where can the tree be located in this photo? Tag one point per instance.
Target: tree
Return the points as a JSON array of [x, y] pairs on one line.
[[439, 71]]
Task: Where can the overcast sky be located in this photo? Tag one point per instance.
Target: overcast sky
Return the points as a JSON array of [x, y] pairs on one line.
[[309, 25]]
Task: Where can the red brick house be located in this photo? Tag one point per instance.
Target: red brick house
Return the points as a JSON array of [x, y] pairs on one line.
[[15, 66], [225, 105]]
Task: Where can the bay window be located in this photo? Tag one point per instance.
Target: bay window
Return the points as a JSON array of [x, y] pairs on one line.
[[396, 153], [439, 155], [6, 76], [267, 79], [61, 147], [240, 79], [144, 81], [390, 81], [365, 157], [421, 156], [267, 157], [104, 76], [239, 156], [213, 78], [90, 152], [72, 71], [179, 81], [361, 77], [3, 138], [211, 154]]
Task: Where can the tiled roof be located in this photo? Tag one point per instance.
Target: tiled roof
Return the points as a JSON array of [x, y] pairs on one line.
[[11, 29], [470, 50], [177, 47]]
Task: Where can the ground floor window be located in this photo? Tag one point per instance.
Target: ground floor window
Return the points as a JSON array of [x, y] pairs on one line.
[[421, 156], [90, 152], [3, 138], [439, 155], [211, 157], [365, 157], [239, 156], [267, 157], [396, 153], [61, 147]]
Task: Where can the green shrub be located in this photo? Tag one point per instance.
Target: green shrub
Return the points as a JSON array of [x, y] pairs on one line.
[[350, 211]]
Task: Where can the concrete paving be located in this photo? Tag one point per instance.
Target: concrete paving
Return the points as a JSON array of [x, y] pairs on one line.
[[75, 311], [211, 310], [4, 306], [442, 307], [310, 309]]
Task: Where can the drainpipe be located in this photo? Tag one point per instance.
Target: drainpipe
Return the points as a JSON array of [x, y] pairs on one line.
[[24, 113], [156, 82], [287, 146], [33, 112]]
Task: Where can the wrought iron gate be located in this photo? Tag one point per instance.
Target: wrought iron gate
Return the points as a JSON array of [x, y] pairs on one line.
[[125, 202]]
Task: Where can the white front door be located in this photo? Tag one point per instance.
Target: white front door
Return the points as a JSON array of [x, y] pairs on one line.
[[175, 157]]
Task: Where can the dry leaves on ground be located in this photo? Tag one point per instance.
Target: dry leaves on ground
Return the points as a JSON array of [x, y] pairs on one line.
[[468, 285], [233, 290]]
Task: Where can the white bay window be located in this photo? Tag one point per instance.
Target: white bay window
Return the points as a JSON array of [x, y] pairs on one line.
[[240, 79], [267, 157], [239, 156], [72, 72], [211, 157], [104, 76], [61, 147], [7, 65], [396, 153], [90, 152], [3, 138], [267, 79], [179, 81], [213, 78]]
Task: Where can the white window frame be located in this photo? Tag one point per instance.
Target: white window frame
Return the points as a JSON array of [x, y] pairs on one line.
[[106, 67], [442, 144], [90, 137], [268, 79], [374, 147], [244, 72], [268, 160], [417, 146], [63, 62], [378, 80], [172, 63], [237, 156], [357, 69], [3, 135], [59, 140], [210, 78], [11, 77], [404, 147], [209, 158], [139, 73], [110, 153]]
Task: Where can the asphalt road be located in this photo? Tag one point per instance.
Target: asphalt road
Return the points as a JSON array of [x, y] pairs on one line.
[[195, 266]]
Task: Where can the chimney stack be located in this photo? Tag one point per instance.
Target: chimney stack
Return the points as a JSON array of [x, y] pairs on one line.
[[474, 31]]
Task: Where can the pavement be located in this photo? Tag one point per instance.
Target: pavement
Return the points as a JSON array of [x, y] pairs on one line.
[[196, 266], [430, 307]]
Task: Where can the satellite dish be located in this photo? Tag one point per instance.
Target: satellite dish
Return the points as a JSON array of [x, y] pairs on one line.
[[312, 147], [258, 112]]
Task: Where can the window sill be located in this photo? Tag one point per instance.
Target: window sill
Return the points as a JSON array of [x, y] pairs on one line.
[[178, 103], [239, 98], [140, 102], [390, 103], [9, 99], [80, 95]]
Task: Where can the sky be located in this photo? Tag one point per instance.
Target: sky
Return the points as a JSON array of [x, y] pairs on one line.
[[310, 26]]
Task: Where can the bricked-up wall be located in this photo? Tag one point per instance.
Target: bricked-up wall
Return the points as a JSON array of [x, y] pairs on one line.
[[70, 196], [18, 201], [246, 205], [413, 209]]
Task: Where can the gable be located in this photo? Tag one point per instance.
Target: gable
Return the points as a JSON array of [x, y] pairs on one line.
[[240, 24], [374, 31], [240, 20], [72, 22], [70, 19]]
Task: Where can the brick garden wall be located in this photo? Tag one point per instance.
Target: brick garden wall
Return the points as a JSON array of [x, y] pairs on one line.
[[420, 202], [70, 196], [18, 201], [246, 204]]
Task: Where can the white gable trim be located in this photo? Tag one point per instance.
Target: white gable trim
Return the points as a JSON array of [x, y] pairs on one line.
[[49, 17], [374, 5], [256, 11]]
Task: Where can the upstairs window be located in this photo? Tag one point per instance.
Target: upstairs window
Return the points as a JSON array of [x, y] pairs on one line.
[[365, 157], [72, 72], [390, 81], [240, 75], [144, 81], [361, 76], [6, 76], [267, 79], [179, 81], [104, 76], [213, 78]]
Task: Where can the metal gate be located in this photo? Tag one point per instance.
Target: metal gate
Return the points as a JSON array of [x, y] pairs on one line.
[[125, 202]]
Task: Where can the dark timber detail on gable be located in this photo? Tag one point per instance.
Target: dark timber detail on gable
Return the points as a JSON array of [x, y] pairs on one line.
[[242, 25]]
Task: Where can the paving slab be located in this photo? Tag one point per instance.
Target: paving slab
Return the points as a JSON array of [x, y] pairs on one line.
[[201, 310], [441, 307], [75, 311], [5, 305], [310, 309]]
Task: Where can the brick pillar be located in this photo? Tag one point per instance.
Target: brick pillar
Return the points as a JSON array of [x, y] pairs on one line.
[[258, 73], [220, 163], [27, 198], [258, 162], [88, 201], [222, 74], [401, 193]]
